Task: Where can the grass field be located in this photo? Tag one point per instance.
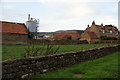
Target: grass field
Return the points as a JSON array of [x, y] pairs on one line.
[[104, 67], [15, 51]]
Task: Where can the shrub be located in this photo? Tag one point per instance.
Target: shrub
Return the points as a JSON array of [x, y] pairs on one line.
[[108, 38], [67, 37], [33, 50], [50, 49], [118, 40]]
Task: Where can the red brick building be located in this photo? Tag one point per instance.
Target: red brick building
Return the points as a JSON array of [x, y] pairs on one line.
[[65, 35], [13, 33]]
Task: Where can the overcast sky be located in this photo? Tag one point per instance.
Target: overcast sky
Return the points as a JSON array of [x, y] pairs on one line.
[[61, 14]]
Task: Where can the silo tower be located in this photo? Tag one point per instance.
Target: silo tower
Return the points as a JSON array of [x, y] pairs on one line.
[[32, 25]]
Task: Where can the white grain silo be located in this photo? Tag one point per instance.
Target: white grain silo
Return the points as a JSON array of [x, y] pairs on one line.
[[32, 25]]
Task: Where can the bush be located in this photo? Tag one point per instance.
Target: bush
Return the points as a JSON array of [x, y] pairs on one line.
[[118, 40], [108, 38], [67, 37], [50, 49]]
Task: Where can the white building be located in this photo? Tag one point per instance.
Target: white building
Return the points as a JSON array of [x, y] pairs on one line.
[[32, 25]]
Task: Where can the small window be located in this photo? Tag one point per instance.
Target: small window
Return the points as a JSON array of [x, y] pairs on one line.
[[103, 31], [110, 32]]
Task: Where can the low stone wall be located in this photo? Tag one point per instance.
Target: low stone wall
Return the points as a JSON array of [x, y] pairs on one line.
[[109, 41], [21, 68]]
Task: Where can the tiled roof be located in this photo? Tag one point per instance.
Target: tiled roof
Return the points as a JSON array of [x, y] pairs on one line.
[[98, 25], [107, 28], [92, 35], [62, 35], [75, 35], [59, 36], [87, 29], [9, 27], [114, 29], [41, 38]]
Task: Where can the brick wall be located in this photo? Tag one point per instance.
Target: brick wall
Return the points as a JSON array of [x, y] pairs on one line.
[[20, 68], [8, 38]]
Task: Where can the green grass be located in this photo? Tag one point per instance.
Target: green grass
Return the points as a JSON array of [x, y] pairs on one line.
[[15, 51], [104, 67]]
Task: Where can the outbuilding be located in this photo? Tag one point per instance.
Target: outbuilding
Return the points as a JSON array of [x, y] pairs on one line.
[[13, 33]]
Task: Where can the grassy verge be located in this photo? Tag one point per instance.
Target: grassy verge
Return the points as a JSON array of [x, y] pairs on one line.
[[105, 67], [15, 51]]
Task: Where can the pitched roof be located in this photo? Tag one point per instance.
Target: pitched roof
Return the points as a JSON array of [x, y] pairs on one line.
[[75, 35], [87, 29], [92, 35], [9, 27], [99, 26], [62, 35], [114, 29], [107, 28], [57, 36], [41, 38]]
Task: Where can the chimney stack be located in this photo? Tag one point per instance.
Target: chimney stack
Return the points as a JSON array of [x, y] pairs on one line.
[[101, 24], [88, 26], [93, 23], [28, 17]]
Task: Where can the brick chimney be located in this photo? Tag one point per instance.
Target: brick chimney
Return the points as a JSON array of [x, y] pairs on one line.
[[88, 26], [93, 23], [101, 24]]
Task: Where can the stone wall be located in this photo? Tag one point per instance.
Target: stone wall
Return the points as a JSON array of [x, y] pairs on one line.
[[8, 38], [11, 38], [57, 42], [21, 68], [109, 41]]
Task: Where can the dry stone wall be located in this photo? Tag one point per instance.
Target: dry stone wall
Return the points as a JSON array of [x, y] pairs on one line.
[[21, 68], [58, 42]]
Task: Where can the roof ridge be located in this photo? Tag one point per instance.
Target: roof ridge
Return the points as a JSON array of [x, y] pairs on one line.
[[8, 27], [12, 22]]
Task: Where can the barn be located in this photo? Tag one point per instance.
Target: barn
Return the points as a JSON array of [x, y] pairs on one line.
[[13, 33]]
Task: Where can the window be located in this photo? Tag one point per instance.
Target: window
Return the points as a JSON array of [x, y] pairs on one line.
[[110, 32], [103, 31]]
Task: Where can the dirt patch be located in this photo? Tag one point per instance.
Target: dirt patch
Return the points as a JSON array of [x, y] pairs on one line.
[[78, 74]]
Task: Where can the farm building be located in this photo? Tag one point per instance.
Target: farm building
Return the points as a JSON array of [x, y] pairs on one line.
[[72, 35], [32, 25], [13, 33], [91, 37], [107, 32]]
